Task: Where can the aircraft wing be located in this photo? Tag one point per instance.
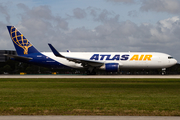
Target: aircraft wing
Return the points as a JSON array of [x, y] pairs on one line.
[[84, 62], [18, 57]]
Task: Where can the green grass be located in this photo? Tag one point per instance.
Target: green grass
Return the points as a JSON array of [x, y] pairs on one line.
[[90, 97]]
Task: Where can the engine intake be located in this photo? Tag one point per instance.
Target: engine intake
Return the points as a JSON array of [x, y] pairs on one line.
[[111, 67]]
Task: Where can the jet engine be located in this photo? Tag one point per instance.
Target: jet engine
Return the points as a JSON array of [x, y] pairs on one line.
[[110, 67]]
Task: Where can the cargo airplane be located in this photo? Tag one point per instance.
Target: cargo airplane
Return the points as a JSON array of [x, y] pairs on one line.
[[91, 61]]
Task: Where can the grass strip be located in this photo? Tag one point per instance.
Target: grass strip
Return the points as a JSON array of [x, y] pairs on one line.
[[27, 96]]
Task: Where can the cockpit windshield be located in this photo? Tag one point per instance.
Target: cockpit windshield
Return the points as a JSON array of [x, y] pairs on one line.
[[170, 57]]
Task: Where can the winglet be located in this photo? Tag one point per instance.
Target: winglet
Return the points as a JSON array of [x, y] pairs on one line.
[[56, 53]]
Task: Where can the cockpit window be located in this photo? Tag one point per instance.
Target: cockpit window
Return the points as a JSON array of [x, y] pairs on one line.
[[170, 57]]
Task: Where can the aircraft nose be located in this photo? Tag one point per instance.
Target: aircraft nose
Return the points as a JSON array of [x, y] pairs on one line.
[[174, 61]]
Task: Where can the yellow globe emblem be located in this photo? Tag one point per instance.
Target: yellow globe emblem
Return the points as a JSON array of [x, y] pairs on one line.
[[20, 40]]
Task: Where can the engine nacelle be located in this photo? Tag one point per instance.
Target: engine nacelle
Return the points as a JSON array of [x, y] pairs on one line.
[[110, 67]]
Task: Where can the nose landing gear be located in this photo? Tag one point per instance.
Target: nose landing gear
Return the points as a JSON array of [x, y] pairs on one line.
[[163, 71]]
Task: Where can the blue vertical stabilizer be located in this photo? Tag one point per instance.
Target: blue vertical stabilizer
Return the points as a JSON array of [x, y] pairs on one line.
[[22, 45]]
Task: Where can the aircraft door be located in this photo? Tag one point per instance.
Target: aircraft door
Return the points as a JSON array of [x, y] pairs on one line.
[[159, 60]]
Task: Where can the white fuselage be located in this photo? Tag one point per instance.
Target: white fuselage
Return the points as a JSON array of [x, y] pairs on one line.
[[124, 59]]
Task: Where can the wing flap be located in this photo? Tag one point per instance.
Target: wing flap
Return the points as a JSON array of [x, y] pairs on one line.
[[85, 61]]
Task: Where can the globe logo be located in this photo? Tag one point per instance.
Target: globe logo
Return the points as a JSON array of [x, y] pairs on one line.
[[20, 40]]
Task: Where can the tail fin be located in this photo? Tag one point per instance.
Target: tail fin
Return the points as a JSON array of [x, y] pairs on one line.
[[22, 45]]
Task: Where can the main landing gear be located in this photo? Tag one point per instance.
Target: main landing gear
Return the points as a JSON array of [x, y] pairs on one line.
[[91, 71]]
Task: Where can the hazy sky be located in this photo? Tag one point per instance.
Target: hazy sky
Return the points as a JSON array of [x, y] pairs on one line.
[[94, 25]]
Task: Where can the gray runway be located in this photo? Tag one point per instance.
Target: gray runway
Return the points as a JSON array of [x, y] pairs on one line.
[[89, 76], [88, 118]]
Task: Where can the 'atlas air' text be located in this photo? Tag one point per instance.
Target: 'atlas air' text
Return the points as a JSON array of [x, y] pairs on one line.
[[121, 57]]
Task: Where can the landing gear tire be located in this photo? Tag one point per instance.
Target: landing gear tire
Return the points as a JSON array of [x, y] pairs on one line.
[[163, 71]]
